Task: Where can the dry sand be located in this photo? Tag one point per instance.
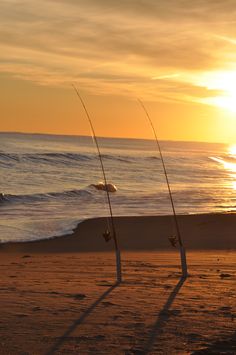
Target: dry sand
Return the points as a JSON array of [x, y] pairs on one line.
[[68, 303]]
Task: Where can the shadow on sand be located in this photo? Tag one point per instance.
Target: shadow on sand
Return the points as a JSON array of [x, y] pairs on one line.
[[162, 318], [226, 345], [79, 321]]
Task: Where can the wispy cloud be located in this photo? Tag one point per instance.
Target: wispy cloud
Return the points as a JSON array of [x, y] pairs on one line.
[[118, 46]]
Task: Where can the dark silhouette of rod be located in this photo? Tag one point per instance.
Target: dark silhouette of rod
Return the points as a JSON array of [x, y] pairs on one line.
[[182, 249], [118, 258]]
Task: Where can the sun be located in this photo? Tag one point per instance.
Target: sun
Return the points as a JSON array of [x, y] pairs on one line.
[[227, 102], [225, 83]]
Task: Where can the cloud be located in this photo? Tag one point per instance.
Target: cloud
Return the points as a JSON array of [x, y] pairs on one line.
[[117, 46]]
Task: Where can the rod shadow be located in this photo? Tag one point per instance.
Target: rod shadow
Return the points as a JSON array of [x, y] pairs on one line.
[[162, 318], [80, 320]]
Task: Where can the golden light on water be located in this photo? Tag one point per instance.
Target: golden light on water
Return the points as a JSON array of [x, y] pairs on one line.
[[234, 184], [232, 153], [232, 150], [229, 165]]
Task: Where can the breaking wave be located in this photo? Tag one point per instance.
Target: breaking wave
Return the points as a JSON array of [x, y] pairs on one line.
[[7, 159], [8, 198]]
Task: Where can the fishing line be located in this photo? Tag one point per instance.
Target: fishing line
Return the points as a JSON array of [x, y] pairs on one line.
[[118, 258], [182, 249]]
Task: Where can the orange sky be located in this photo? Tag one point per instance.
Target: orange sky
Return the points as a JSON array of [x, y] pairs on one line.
[[178, 56]]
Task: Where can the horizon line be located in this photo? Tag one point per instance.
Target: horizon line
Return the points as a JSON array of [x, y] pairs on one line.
[[108, 137]]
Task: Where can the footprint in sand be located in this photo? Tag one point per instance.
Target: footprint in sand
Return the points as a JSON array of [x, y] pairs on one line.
[[107, 304], [78, 296], [21, 315], [36, 309], [223, 276]]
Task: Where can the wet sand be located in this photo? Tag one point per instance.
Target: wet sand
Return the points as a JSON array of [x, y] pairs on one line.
[[205, 231]]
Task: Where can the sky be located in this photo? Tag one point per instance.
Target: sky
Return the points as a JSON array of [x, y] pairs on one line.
[[178, 56]]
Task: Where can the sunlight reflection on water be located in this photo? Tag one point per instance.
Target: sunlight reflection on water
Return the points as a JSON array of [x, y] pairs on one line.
[[232, 150], [232, 166], [229, 164]]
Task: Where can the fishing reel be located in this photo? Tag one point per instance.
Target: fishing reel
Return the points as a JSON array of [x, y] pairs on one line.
[[107, 235], [173, 240]]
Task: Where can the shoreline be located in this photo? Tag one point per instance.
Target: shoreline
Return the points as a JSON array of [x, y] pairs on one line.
[[211, 231]]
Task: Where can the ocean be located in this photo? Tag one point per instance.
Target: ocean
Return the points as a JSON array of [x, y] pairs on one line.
[[46, 181]]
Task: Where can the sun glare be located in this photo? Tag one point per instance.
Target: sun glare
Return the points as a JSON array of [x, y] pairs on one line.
[[225, 83], [232, 150], [225, 102]]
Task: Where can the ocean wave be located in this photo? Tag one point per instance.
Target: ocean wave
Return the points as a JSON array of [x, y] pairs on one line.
[[10, 198], [25, 234], [7, 159], [52, 158], [123, 159], [9, 156], [56, 158], [48, 158]]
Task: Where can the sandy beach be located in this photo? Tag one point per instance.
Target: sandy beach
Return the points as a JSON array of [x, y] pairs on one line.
[[60, 296]]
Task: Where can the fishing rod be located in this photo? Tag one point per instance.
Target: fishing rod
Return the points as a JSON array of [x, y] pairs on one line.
[[106, 234], [181, 246]]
